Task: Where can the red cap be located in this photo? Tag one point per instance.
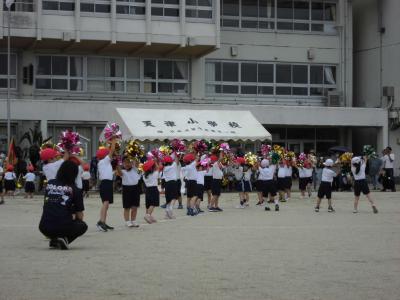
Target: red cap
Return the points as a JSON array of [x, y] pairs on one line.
[[101, 153], [31, 168], [10, 168], [167, 159], [75, 160], [240, 160], [47, 154], [86, 167], [213, 158], [148, 165], [189, 158]]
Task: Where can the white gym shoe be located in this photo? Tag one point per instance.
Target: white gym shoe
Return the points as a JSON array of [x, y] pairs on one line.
[[128, 224], [240, 206], [134, 224], [355, 211]]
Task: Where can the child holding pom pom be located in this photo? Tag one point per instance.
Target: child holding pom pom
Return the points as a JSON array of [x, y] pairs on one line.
[[106, 175], [358, 166], [9, 180], [130, 190], [305, 178], [217, 174], [152, 195], [325, 188], [267, 183], [171, 189]]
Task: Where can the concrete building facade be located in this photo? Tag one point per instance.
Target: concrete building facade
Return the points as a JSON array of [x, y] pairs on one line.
[[289, 62]]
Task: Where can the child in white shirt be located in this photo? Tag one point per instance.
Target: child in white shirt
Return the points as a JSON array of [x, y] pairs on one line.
[[29, 183]]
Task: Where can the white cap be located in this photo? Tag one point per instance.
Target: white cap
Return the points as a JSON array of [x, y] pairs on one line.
[[355, 160], [328, 162], [264, 163]]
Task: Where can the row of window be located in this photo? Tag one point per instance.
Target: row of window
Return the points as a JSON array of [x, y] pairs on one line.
[[104, 74], [298, 15], [163, 8], [134, 75], [261, 78]]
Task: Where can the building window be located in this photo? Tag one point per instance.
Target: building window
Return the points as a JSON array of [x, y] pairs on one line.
[[131, 7], [3, 71], [166, 76], [165, 8], [286, 15], [21, 5], [199, 9], [65, 5], [106, 74], [96, 6], [264, 78], [59, 73]]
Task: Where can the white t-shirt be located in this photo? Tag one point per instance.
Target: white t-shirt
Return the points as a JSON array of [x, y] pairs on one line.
[[86, 175], [178, 171], [282, 172], [10, 176], [387, 164], [105, 169], [169, 172], [78, 179], [216, 171], [151, 180], [29, 177], [209, 172], [328, 175], [200, 177], [266, 173], [50, 170], [238, 172], [288, 171], [130, 177], [361, 174], [191, 172], [247, 175], [1, 171], [305, 172]]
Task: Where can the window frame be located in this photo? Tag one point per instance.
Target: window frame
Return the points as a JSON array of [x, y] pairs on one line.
[[11, 76], [217, 85], [276, 21]]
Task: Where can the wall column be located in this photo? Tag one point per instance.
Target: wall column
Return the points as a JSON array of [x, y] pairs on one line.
[[43, 128]]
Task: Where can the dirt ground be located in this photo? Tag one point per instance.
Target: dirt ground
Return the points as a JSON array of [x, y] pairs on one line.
[[237, 254]]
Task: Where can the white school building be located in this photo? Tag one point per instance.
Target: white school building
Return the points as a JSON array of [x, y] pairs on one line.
[[312, 72]]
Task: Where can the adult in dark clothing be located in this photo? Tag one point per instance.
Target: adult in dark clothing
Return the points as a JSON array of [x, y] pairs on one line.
[[61, 219]]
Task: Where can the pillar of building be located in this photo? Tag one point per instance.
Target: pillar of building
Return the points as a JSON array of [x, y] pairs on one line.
[[43, 128]]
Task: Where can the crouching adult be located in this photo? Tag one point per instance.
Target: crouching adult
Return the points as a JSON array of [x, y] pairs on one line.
[[61, 219]]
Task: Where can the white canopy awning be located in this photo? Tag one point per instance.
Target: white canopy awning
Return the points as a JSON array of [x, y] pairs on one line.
[[161, 124]]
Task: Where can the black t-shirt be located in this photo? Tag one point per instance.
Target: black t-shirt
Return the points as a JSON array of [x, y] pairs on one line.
[[60, 203]]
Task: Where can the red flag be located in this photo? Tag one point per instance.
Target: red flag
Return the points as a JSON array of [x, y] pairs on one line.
[[11, 156]]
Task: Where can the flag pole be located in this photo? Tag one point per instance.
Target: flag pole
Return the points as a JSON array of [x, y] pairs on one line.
[[8, 80]]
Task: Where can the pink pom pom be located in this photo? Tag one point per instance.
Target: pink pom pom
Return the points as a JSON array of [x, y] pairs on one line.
[[205, 162], [265, 149], [70, 141], [112, 131], [224, 147], [200, 146], [178, 145]]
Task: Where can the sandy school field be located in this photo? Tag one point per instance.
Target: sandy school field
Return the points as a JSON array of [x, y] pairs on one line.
[[238, 254]]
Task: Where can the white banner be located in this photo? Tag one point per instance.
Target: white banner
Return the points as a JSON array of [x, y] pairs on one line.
[[160, 124]]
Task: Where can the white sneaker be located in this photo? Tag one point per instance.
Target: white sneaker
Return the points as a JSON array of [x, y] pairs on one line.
[[128, 224], [355, 211], [134, 224], [240, 206]]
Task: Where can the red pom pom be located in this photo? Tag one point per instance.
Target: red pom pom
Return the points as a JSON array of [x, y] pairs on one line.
[[47, 154], [148, 165]]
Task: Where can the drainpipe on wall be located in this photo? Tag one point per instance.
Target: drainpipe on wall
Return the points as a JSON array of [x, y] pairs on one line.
[[381, 31]]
